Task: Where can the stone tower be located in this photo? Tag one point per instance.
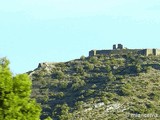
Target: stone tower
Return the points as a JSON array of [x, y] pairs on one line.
[[120, 46], [114, 47]]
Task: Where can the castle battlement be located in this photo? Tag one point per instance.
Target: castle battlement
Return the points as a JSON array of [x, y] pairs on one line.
[[120, 50]]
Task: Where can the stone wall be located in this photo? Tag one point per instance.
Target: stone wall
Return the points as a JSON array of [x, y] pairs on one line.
[[104, 52], [145, 52], [108, 52], [92, 52], [120, 50], [156, 51], [148, 52]]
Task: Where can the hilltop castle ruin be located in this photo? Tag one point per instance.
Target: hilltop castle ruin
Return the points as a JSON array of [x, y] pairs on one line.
[[120, 50]]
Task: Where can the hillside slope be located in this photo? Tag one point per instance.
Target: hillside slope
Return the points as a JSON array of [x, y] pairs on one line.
[[99, 87]]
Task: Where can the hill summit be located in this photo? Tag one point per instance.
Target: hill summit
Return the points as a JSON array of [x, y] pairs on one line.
[[99, 87]]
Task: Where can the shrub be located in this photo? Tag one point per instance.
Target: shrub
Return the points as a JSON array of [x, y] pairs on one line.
[[61, 112], [58, 75], [82, 57], [93, 60], [77, 84], [89, 92], [79, 69], [89, 66], [108, 68], [79, 105], [138, 68], [125, 92], [63, 85]]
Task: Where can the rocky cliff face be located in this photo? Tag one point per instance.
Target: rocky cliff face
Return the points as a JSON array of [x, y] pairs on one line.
[[98, 87]]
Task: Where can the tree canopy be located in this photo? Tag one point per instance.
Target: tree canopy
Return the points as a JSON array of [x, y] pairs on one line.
[[15, 101]]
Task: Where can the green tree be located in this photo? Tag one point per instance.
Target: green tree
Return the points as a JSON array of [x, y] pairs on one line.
[[111, 77], [138, 68], [89, 66], [48, 118], [15, 101], [108, 68], [79, 105], [82, 57], [62, 112], [78, 84], [59, 75], [79, 69]]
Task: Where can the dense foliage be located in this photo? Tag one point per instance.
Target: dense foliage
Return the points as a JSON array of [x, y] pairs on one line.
[[100, 87], [15, 101]]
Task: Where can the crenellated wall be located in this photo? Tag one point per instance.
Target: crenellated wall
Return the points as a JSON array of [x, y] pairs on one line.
[[117, 51], [156, 51], [120, 50], [148, 52], [92, 53]]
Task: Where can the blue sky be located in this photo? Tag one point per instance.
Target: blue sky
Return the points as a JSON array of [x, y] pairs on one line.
[[34, 31]]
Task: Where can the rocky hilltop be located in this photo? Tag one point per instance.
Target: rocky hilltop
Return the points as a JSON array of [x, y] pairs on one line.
[[99, 87]]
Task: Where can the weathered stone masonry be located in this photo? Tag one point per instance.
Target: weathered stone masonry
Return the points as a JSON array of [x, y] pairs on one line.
[[121, 50]]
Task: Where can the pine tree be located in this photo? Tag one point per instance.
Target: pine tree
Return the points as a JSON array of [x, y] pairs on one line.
[[15, 101]]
